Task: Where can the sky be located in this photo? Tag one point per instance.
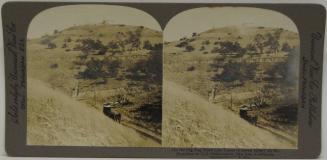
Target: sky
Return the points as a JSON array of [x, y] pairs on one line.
[[205, 18], [66, 16], [181, 25]]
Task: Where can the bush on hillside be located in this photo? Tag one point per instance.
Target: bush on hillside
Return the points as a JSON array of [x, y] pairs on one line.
[[190, 68], [236, 71], [189, 48]]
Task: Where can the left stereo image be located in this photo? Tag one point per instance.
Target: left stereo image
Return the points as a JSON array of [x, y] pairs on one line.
[[94, 77]]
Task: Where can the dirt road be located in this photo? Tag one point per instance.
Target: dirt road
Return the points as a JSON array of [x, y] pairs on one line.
[[55, 118], [191, 121]]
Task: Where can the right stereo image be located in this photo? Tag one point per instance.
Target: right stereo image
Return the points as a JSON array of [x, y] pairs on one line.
[[231, 77]]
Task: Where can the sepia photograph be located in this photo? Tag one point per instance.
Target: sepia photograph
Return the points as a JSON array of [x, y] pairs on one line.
[[94, 77], [163, 80], [231, 77]]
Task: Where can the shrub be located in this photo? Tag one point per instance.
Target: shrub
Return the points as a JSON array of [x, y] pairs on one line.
[[77, 47], [55, 31], [191, 40], [251, 48], [68, 39], [64, 45], [230, 47], [236, 71], [54, 65], [190, 68], [134, 38], [189, 48], [103, 50], [113, 45], [89, 45], [182, 44], [215, 50], [206, 42], [51, 45], [183, 39]]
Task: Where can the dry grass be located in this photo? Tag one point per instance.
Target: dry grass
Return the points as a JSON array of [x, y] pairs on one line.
[[191, 121], [54, 118]]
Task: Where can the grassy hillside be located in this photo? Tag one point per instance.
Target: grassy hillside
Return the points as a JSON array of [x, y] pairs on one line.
[[236, 66], [54, 118], [189, 120], [101, 63]]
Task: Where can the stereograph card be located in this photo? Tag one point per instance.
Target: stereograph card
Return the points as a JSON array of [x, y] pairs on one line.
[[163, 80]]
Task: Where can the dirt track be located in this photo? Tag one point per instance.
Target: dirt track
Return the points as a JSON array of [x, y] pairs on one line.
[[191, 121], [55, 118]]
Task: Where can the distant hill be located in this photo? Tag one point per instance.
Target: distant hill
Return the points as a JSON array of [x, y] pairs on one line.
[[243, 35]]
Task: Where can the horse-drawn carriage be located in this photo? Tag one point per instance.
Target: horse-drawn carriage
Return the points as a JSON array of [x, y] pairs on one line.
[[246, 112], [108, 111]]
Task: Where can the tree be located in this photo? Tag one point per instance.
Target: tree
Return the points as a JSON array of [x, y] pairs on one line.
[[236, 71], [147, 45], [157, 47], [134, 38], [94, 69], [251, 48], [90, 45], [112, 67], [278, 33], [272, 42], [264, 96], [148, 69], [285, 71], [227, 47], [259, 42], [286, 47]]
